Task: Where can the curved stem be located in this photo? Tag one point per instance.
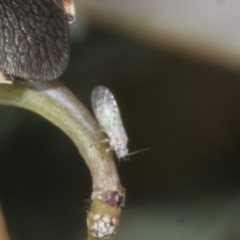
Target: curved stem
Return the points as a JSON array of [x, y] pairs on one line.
[[56, 103]]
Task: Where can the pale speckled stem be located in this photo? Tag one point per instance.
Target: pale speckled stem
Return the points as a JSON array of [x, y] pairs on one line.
[[53, 101]]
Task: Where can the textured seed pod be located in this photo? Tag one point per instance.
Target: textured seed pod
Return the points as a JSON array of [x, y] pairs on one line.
[[34, 38]]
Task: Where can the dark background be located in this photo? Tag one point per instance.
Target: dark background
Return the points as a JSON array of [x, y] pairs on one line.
[[185, 187]]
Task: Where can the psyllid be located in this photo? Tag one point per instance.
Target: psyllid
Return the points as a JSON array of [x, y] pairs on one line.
[[108, 115]]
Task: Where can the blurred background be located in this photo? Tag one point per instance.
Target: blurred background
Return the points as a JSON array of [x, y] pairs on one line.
[[174, 68]]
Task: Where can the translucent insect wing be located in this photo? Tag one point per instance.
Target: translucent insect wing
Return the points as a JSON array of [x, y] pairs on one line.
[[106, 111]]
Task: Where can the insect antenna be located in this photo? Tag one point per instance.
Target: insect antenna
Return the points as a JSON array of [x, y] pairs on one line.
[[143, 150]]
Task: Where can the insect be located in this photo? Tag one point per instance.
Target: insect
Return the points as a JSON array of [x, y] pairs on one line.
[[108, 115], [35, 38]]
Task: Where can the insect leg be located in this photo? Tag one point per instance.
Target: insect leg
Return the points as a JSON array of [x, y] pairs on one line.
[[100, 142]]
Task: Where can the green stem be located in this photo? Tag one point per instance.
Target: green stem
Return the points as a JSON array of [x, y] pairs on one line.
[[53, 101]]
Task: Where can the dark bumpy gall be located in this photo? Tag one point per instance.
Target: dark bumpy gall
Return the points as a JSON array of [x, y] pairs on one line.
[[114, 198], [34, 38]]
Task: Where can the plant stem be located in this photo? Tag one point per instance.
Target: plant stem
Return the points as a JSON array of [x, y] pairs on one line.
[[53, 101]]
